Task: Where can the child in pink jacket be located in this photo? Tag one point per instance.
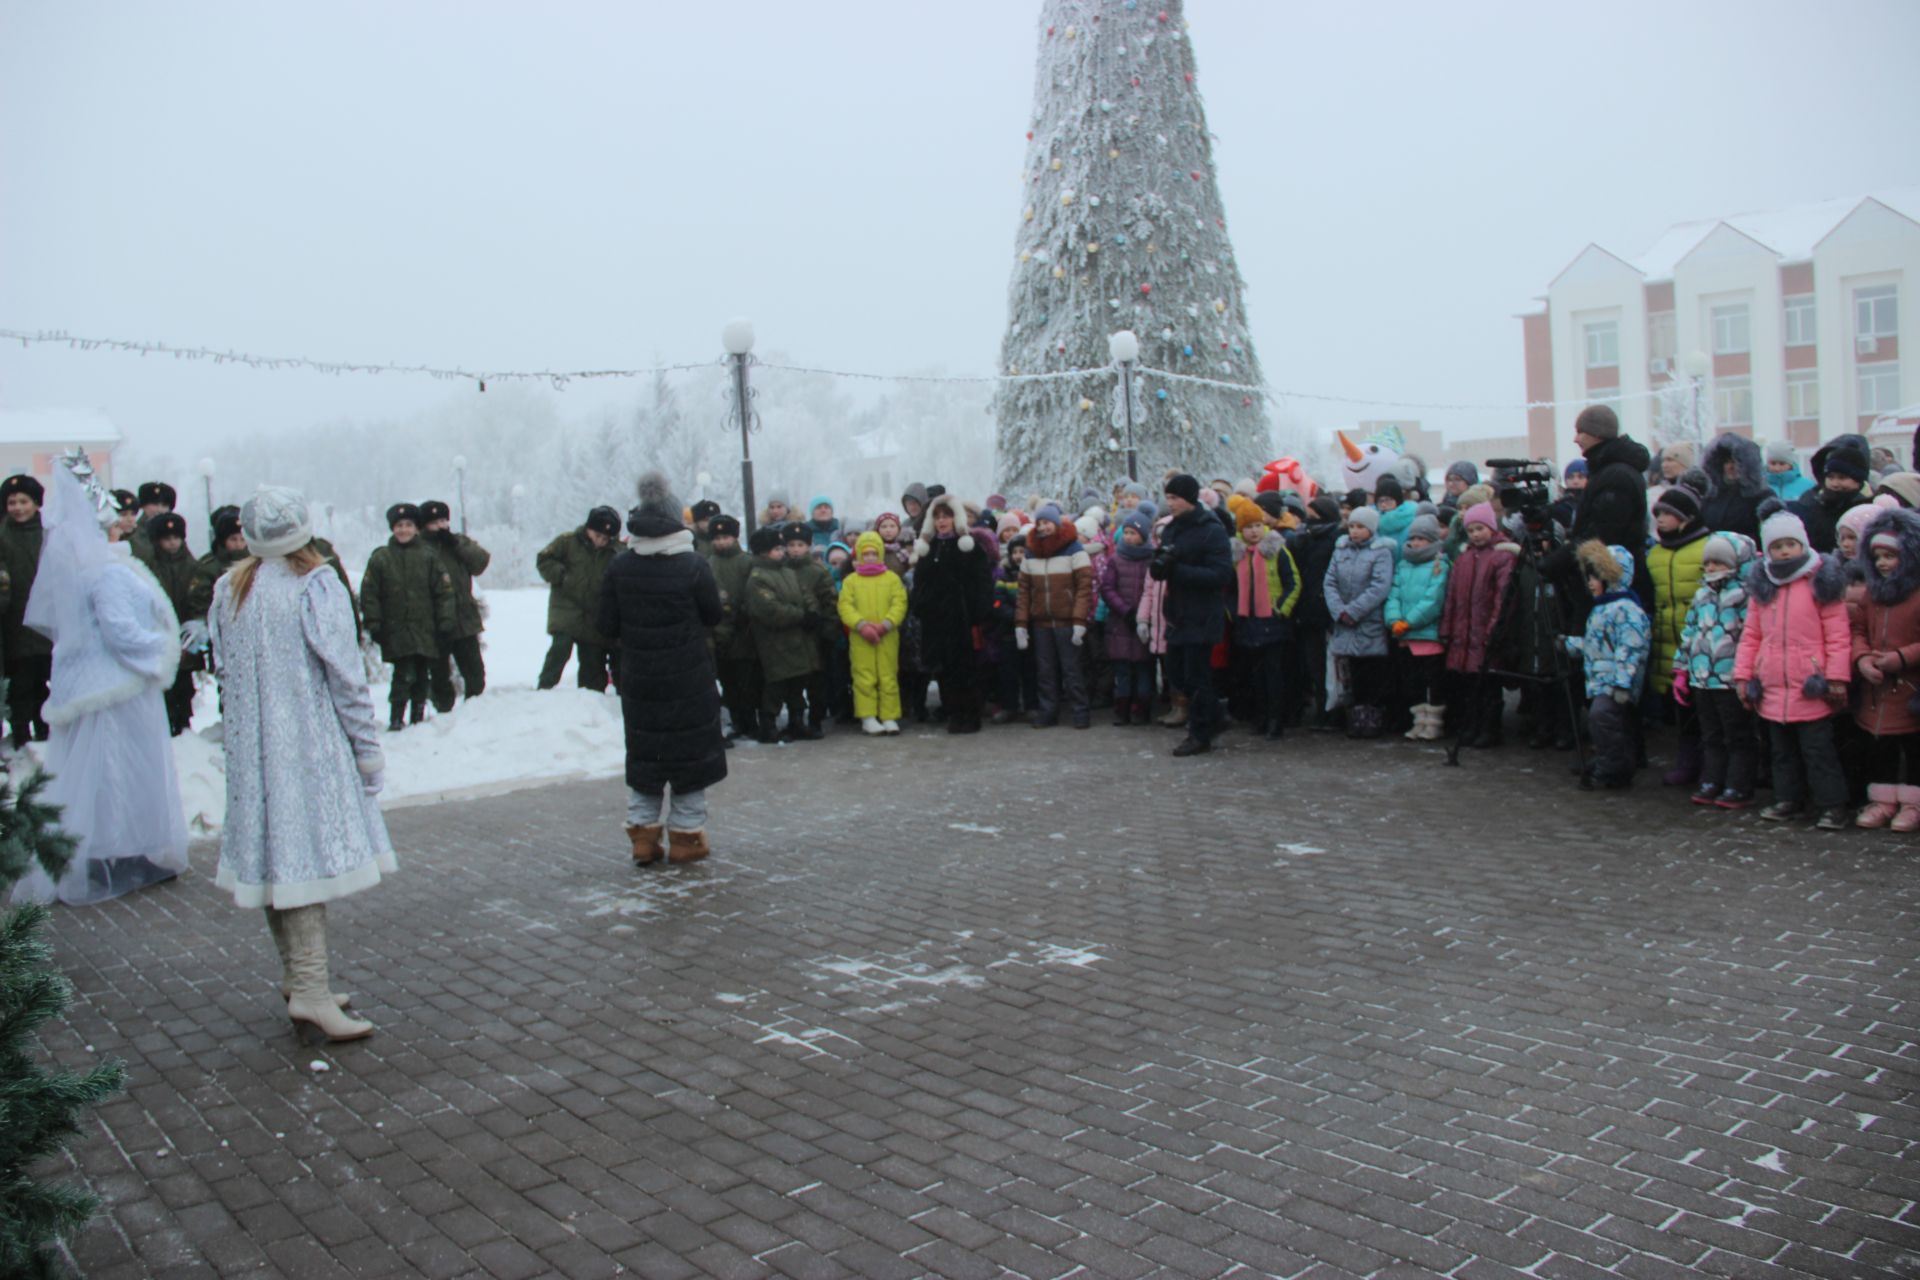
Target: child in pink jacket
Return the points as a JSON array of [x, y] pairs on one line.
[[1792, 668]]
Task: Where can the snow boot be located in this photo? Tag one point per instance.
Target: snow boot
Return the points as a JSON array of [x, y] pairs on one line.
[[687, 846], [1908, 819], [312, 1001], [1419, 729], [1686, 764], [1883, 802], [276, 926], [871, 725], [1435, 725], [1176, 717], [398, 719], [647, 848], [419, 710]]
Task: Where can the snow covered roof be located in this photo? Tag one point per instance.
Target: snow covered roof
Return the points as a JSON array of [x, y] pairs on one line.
[[1792, 232], [58, 427]]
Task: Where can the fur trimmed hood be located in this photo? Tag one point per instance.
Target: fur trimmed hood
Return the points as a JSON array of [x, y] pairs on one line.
[[1851, 440], [964, 514], [1270, 547], [1905, 580], [1612, 565], [1829, 580], [1752, 468]]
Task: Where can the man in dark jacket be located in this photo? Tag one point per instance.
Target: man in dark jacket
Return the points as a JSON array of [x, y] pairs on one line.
[[657, 601], [1737, 481], [407, 601], [573, 565], [29, 655], [464, 560], [732, 636], [190, 590], [1312, 547], [782, 637], [157, 499], [1195, 560], [1613, 508]]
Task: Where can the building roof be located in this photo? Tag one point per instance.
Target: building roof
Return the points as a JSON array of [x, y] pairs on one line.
[[1792, 232], [57, 427]]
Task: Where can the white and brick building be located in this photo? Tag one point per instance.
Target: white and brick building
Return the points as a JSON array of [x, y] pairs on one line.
[[1793, 322]]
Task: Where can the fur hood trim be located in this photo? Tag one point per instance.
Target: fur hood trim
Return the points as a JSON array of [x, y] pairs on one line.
[[1905, 580], [1612, 565], [964, 514], [1829, 581], [1751, 477]]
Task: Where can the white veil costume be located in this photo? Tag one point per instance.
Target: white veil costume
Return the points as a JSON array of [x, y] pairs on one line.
[[116, 645]]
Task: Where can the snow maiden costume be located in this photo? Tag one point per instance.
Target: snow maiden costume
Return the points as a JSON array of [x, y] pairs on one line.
[[115, 649], [302, 746]]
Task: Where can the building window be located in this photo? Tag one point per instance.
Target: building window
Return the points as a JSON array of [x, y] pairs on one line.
[[1603, 344], [1803, 395], [1879, 386], [1730, 331], [1733, 401], [1876, 312], [1661, 338], [1800, 320]]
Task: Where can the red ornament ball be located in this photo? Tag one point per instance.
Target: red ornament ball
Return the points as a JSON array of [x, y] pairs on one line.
[[1246, 402], [1029, 135], [1146, 288], [1160, 16], [1194, 174], [1189, 77], [1049, 30], [1136, 82]]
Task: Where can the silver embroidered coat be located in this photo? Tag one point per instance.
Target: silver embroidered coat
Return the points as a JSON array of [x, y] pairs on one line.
[[300, 739]]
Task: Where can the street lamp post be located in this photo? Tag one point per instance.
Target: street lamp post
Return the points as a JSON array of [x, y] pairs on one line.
[[737, 338], [460, 486], [1124, 347], [206, 478]]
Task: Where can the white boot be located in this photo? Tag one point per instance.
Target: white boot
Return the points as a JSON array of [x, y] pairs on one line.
[[871, 725], [1419, 729], [1434, 727], [276, 925], [312, 1000], [889, 726]]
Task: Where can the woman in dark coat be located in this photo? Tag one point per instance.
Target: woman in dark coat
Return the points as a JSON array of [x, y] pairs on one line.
[[952, 598], [656, 604], [1737, 474]]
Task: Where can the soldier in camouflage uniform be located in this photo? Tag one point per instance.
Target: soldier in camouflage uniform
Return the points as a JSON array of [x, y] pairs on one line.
[[189, 587], [734, 655], [464, 560], [573, 565], [406, 598]]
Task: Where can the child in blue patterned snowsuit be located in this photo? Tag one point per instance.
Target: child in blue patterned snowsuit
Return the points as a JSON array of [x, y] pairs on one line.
[[1703, 673], [1618, 639]]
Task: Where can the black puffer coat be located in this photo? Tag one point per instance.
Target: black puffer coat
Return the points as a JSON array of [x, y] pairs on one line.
[[952, 591], [657, 609], [1614, 510], [1731, 504], [1202, 566]]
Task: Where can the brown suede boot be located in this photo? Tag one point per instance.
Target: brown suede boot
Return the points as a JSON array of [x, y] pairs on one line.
[[1176, 717], [646, 844], [687, 846]]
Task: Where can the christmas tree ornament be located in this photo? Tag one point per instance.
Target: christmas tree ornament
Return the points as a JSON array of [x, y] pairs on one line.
[[1086, 405], [1161, 394]]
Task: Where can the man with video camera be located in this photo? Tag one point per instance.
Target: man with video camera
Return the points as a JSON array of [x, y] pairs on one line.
[[1613, 509], [1196, 563]]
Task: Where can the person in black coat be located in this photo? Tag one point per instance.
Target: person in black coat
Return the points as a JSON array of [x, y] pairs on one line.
[[657, 602], [1613, 509], [1312, 547], [952, 598], [1195, 560], [1737, 481], [1840, 478]]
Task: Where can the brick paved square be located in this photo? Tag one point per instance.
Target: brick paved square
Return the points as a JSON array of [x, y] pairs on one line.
[[1040, 1005]]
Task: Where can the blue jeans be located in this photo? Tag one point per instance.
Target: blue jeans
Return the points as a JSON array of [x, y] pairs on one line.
[[688, 809], [1133, 680]]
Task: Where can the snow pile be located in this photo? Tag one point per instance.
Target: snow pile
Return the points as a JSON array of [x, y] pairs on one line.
[[511, 736]]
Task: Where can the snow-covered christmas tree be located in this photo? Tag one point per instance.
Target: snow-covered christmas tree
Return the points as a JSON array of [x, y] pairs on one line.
[[1123, 229]]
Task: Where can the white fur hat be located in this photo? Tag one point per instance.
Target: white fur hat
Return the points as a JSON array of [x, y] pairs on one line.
[[276, 522], [1782, 524]]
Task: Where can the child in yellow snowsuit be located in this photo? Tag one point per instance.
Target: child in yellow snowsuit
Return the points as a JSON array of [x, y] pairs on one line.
[[873, 604]]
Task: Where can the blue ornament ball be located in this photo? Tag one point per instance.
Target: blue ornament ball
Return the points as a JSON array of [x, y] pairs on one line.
[[1186, 351], [1226, 439], [1161, 394]]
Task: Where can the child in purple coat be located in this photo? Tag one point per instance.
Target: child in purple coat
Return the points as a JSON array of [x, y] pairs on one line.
[[1123, 580]]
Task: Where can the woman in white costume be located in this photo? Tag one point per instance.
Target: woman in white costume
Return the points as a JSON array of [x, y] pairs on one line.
[[116, 645], [303, 749]]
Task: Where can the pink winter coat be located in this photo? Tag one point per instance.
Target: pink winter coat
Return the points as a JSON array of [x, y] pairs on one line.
[[1796, 644]]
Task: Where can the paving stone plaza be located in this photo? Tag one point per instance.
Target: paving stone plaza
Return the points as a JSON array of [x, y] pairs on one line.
[[1036, 1004]]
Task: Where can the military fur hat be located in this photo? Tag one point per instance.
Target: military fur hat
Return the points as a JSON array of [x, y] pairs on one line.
[[403, 511], [170, 525], [22, 484], [434, 509], [158, 492], [604, 521]]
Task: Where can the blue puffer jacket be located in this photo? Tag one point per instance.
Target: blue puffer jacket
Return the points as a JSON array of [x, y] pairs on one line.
[[1418, 593], [1394, 525], [1358, 579], [1788, 485], [1710, 637], [1618, 639]]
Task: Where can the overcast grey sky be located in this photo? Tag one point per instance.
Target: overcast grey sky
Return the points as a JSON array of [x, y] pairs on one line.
[[518, 185]]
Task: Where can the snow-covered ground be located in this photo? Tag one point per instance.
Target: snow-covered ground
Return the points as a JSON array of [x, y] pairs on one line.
[[511, 736]]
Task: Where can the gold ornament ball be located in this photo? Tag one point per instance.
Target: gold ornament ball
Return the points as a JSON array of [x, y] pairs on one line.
[[1113, 154], [1059, 273], [1086, 405], [1055, 166], [1093, 246]]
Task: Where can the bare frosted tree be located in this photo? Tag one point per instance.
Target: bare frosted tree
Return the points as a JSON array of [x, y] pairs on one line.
[[1123, 229]]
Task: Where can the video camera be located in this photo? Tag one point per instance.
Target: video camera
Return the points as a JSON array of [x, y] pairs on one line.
[[1525, 487]]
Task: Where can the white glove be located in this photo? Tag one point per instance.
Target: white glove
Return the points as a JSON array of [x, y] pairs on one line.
[[1142, 630], [193, 636], [1079, 636], [373, 783], [1020, 637]]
